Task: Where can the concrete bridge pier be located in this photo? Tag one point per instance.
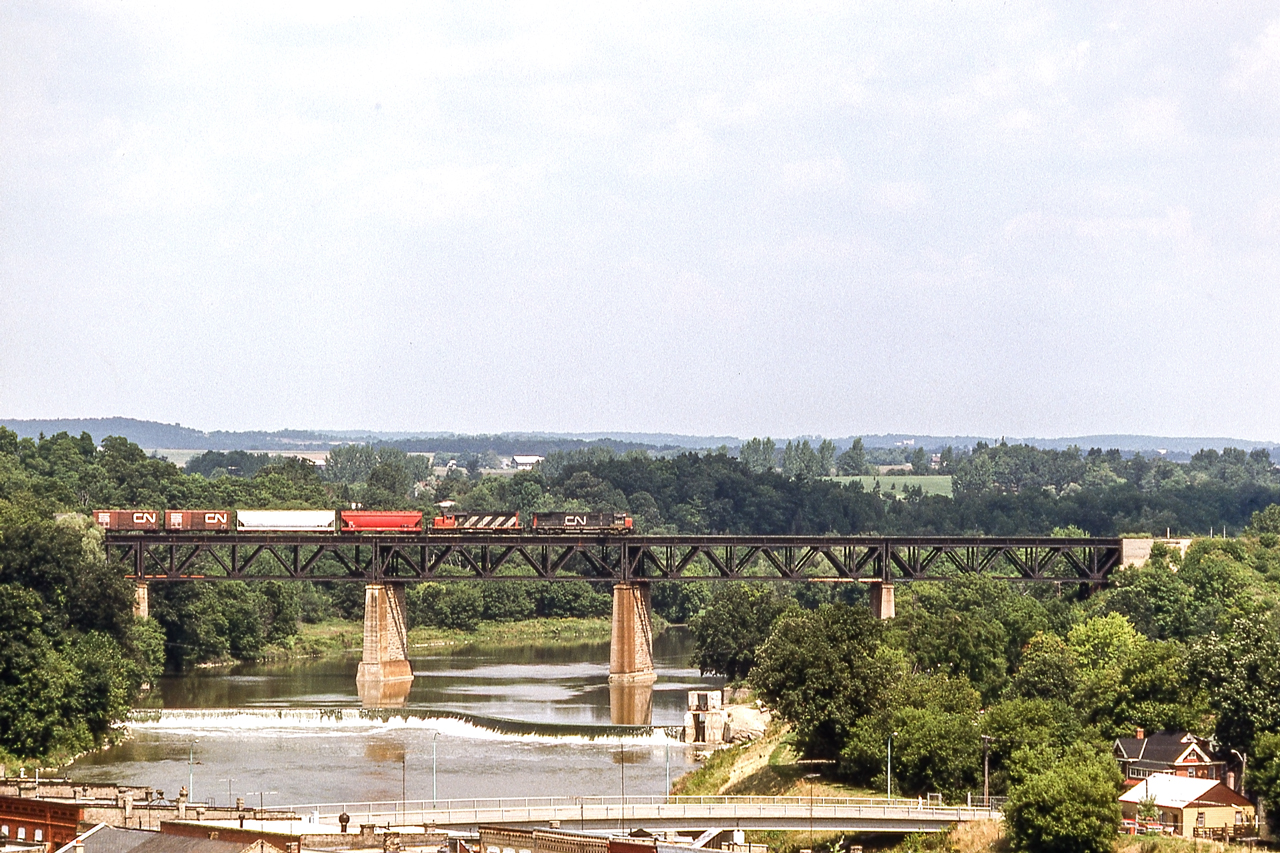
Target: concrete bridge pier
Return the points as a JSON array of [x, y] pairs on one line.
[[882, 606], [142, 601], [385, 674], [631, 643]]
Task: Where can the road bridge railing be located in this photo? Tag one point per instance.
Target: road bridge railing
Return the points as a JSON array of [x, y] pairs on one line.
[[691, 812]]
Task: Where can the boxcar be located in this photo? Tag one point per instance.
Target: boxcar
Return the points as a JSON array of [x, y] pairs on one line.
[[291, 520], [368, 521], [127, 519], [584, 522], [499, 522], [197, 519]]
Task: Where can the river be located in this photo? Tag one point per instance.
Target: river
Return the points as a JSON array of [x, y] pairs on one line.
[[495, 722]]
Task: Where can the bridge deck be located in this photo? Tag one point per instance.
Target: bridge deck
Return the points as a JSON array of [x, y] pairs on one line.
[[688, 814], [164, 556]]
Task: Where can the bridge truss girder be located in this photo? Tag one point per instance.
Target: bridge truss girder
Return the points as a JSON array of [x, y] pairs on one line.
[[417, 557]]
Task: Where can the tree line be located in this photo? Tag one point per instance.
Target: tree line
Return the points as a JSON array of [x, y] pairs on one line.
[[1000, 490], [1046, 678]]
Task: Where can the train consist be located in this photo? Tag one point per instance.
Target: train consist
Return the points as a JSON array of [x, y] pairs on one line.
[[355, 521]]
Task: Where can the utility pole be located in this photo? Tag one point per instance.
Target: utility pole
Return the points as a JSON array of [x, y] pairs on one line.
[[888, 770], [986, 770]]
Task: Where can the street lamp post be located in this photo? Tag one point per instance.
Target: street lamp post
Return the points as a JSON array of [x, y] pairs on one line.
[[809, 777], [622, 764], [666, 754], [261, 798], [1244, 766], [434, 736], [191, 763]]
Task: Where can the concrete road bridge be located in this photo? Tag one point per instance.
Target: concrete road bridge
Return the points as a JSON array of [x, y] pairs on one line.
[[385, 563], [684, 814]]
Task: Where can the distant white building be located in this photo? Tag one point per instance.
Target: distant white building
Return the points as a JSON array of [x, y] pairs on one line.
[[526, 463]]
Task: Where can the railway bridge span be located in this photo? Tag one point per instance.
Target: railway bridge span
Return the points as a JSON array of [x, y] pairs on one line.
[[386, 562]]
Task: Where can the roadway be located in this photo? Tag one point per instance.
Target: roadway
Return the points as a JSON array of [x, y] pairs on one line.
[[683, 814]]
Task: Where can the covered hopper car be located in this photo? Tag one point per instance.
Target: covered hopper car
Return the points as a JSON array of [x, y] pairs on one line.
[[382, 521]]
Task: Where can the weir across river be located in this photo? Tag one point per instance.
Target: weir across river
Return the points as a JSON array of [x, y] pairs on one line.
[[386, 562]]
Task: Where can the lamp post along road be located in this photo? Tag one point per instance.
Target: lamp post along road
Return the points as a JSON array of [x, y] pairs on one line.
[[191, 763], [434, 736]]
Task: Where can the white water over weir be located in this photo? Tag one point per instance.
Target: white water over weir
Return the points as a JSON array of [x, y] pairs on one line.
[[311, 722]]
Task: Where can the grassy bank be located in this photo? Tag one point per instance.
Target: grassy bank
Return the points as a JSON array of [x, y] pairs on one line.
[[898, 483], [768, 766], [322, 639], [338, 637], [545, 630]]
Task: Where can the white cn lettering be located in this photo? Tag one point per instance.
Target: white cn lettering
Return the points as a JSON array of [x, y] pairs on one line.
[[575, 520], [144, 518], [215, 518]]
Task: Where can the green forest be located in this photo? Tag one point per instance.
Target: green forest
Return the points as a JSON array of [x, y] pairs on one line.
[[1050, 674], [1044, 678]]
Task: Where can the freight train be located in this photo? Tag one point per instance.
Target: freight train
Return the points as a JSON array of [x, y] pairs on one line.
[[355, 521]]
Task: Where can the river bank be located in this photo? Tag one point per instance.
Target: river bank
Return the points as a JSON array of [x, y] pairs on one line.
[[340, 637]]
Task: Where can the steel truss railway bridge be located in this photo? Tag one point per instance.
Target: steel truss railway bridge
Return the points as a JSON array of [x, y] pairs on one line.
[[386, 562]]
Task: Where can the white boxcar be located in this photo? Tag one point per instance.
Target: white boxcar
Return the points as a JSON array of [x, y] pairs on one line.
[[294, 520]]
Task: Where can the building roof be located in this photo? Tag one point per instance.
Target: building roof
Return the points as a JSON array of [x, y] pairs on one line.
[[1163, 749], [111, 839], [1177, 792]]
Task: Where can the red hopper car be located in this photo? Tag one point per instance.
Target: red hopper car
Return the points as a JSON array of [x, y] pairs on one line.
[[379, 521]]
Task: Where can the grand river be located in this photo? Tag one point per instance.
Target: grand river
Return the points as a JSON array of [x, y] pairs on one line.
[[480, 722]]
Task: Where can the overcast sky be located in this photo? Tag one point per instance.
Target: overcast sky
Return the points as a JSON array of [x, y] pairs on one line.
[[948, 218]]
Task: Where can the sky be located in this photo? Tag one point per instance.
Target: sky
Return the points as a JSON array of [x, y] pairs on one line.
[[1040, 219]]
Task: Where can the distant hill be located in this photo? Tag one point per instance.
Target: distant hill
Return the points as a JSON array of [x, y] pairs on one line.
[[153, 436]]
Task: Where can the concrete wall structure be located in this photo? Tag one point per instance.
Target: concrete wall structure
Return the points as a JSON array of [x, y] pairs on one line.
[[1135, 552], [142, 601], [385, 674], [882, 601], [706, 722], [631, 644]]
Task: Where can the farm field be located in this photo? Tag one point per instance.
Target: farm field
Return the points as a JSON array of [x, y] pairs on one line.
[[896, 483]]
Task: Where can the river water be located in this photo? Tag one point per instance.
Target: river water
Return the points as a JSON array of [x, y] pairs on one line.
[[526, 721]]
